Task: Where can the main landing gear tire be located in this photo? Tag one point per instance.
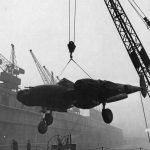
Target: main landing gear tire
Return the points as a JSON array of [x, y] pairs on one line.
[[42, 126], [48, 118], [107, 115]]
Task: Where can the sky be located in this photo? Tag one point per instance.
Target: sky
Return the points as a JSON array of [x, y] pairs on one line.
[[43, 27]]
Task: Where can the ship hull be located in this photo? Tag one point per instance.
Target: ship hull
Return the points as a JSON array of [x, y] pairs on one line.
[[20, 123]]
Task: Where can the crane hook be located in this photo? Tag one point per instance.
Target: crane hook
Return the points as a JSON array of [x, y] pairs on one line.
[[71, 47]]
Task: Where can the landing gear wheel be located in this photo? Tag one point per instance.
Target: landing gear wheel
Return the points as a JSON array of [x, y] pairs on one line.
[[42, 127], [48, 118], [107, 115]]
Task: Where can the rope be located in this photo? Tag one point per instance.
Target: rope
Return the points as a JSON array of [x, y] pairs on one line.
[[82, 69], [136, 10], [69, 20], [138, 7], [145, 118], [64, 68], [75, 19], [77, 65], [138, 13]]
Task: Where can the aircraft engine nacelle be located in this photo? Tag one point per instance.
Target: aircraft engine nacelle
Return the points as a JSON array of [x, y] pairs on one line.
[[117, 98], [86, 102], [87, 93], [80, 85], [86, 85]]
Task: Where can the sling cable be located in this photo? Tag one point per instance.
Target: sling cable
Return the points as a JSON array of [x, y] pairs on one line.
[[71, 45], [140, 13]]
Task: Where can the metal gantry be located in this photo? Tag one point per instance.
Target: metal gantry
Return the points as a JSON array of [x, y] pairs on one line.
[[51, 75], [132, 44], [10, 66], [9, 75], [130, 39], [46, 79]]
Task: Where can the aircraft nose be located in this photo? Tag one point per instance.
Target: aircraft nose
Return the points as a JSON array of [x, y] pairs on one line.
[[23, 96], [131, 89], [20, 96]]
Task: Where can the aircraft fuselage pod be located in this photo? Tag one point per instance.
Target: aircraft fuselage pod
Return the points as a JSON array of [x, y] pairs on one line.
[[51, 96]]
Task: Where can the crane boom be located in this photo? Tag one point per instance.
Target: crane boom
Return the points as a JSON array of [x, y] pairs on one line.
[[51, 75], [41, 70], [132, 44], [130, 39]]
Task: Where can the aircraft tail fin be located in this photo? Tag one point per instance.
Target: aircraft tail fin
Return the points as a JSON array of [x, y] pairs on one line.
[[67, 83], [143, 86]]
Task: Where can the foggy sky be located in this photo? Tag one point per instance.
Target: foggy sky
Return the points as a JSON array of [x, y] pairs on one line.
[[43, 27]]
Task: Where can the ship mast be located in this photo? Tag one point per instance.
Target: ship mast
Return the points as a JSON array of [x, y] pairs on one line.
[[10, 72]]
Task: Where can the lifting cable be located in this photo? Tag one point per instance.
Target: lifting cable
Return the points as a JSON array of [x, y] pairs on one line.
[[74, 20], [138, 7], [136, 10], [63, 69], [77, 65], [146, 124], [144, 19], [71, 45], [82, 69]]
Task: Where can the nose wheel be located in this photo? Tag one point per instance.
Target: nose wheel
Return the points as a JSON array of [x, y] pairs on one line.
[[42, 127], [107, 115], [45, 122]]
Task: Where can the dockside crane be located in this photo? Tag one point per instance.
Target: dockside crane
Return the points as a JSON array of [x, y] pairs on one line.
[[132, 44], [10, 73], [130, 40], [51, 75], [46, 79]]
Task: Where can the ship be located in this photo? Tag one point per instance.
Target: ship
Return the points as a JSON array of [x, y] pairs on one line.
[[19, 122]]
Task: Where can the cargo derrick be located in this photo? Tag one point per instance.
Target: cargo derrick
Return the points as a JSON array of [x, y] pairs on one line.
[[9, 75], [130, 40], [133, 46], [45, 77], [51, 76]]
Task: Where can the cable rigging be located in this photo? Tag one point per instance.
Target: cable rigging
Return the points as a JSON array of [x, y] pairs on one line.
[[140, 13], [71, 45], [146, 124], [133, 45]]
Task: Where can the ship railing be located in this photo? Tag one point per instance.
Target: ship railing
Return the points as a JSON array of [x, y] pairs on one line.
[[43, 146], [107, 148], [34, 146]]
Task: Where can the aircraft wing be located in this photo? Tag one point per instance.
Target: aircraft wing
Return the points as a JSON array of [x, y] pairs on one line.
[[117, 98]]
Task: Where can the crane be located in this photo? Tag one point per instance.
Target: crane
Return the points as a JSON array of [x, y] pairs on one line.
[[10, 71], [132, 44], [51, 75], [46, 76], [130, 40]]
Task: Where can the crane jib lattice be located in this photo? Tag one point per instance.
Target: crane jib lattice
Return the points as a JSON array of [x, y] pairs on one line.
[[130, 39]]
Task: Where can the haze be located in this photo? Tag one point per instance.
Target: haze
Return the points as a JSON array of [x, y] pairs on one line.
[[43, 27]]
